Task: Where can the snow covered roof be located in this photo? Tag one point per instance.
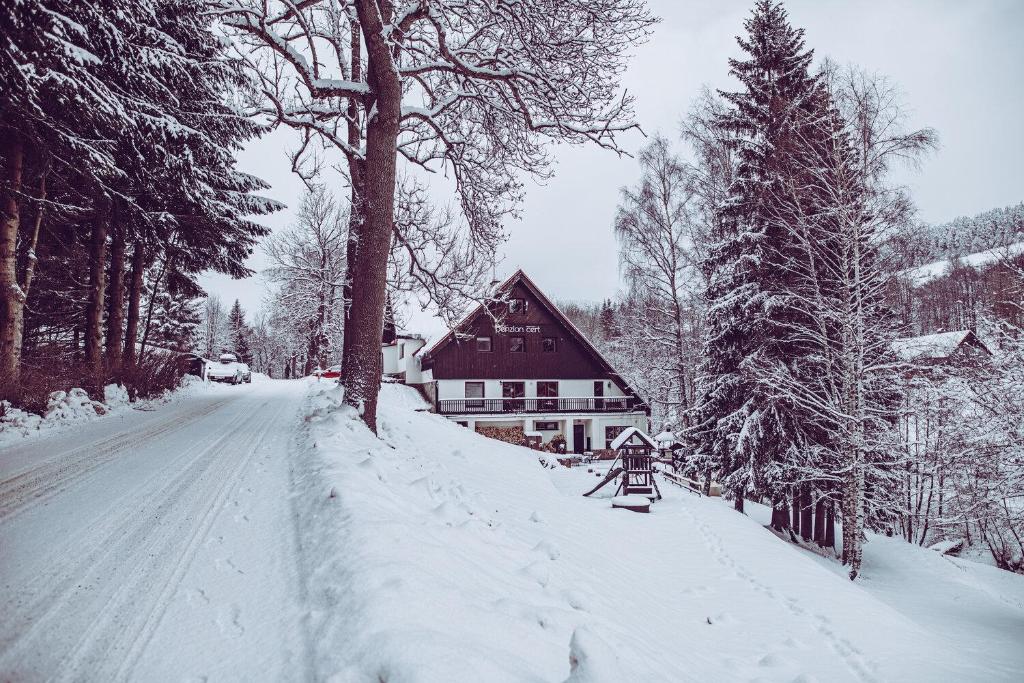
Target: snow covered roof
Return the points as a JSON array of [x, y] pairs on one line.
[[475, 308], [628, 434], [666, 437], [935, 346]]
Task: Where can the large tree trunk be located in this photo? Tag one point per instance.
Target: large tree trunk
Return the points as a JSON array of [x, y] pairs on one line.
[[819, 522], [131, 335], [97, 286], [830, 525], [357, 174], [806, 513], [853, 513], [115, 310], [780, 514], [796, 509], [737, 502], [12, 298], [369, 276]]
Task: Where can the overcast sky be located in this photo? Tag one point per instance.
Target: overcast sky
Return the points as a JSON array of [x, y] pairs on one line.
[[959, 63]]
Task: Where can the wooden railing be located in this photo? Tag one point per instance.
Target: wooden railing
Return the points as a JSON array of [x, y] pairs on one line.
[[591, 404]]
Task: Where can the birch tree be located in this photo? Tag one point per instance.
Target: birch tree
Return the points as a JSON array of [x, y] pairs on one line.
[[837, 207], [659, 232]]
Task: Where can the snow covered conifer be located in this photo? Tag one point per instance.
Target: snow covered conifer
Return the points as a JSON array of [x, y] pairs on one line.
[[743, 430], [239, 332]]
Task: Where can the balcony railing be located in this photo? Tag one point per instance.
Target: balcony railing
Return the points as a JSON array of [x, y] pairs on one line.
[[591, 404]]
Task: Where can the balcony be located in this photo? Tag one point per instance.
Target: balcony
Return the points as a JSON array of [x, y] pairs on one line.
[[513, 406]]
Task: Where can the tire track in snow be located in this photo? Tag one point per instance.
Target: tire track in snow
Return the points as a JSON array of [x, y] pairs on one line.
[[151, 543], [35, 486], [198, 537], [860, 666]]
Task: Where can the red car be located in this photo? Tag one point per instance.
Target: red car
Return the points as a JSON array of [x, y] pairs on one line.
[[333, 372]]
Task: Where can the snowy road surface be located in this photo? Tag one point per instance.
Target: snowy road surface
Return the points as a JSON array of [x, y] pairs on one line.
[[156, 545], [224, 537]]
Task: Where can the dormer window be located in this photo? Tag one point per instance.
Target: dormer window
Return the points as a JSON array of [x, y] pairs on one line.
[[516, 306]]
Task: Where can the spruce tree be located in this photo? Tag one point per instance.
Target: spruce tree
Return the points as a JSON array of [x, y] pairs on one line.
[[390, 331], [742, 430], [239, 333]]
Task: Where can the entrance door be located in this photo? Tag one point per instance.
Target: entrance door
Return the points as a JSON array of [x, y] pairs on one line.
[[598, 393], [578, 438]]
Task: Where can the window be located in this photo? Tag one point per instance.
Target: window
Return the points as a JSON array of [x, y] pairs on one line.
[[516, 306], [547, 393], [549, 344], [546, 426], [483, 343], [517, 344], [474, 390], [401, 350], [513, 393], [610, 433]]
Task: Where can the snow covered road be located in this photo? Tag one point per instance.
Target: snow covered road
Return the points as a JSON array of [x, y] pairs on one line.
[[155, 545]]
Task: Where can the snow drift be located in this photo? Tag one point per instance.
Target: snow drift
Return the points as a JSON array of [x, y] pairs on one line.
[[438, 555]]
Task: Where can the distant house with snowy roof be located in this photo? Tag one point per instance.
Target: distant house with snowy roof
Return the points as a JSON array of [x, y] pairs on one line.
[[516, 364], [941, 348]]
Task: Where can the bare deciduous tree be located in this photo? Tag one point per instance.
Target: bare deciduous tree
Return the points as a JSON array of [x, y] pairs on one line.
[[468, 87], [307, 263], [660, 234]]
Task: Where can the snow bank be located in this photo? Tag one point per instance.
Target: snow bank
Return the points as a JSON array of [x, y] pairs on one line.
[[66, 408], [439, 555], [62, 408]]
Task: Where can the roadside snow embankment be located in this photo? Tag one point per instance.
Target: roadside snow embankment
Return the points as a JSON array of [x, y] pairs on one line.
[[435, 554], [65, 408]]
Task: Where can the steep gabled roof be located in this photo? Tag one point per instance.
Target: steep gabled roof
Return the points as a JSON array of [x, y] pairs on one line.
[[627, 434], [936, 346], [519, 277]]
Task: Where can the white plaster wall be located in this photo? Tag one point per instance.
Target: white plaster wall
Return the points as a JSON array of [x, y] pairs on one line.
[[390, 358], [413, 374]]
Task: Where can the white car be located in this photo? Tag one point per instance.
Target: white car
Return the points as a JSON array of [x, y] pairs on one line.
[[228, 369]]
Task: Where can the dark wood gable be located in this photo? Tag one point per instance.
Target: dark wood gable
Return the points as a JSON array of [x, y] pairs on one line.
[[456, 356]]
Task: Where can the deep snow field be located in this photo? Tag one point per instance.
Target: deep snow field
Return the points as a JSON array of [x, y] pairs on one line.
[[439, 555]]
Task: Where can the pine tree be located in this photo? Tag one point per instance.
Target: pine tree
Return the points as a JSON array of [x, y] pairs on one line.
[[239, 333], [607, 318], [390, 332], [742, 429]]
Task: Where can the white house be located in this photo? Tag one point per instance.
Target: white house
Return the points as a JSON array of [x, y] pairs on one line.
[[518, 363]]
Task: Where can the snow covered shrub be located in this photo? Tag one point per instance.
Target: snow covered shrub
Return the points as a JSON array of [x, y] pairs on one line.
[[72, 406], [152, 376], [40, 377]]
